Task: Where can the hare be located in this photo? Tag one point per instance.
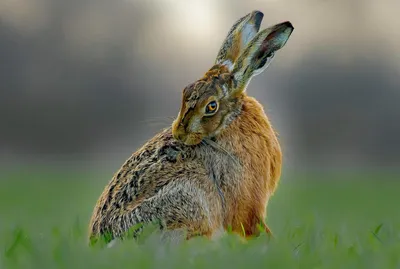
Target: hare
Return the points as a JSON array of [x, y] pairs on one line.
[[218, 164]]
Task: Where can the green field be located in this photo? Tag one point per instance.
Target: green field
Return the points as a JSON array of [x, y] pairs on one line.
[[343, 220]]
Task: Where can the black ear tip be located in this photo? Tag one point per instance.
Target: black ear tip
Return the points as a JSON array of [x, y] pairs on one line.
[[288, 24], [257, 17]]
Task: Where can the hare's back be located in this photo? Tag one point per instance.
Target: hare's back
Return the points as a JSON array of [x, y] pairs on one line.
[[155, 166]]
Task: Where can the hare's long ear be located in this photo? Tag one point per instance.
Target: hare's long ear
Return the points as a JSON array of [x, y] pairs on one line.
[[238, 37], [258, 54]]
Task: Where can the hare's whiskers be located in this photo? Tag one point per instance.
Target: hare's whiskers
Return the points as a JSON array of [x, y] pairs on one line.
[[220, 148], [158, 120]]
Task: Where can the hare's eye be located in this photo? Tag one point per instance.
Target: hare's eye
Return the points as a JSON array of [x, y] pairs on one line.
[[211, 108]]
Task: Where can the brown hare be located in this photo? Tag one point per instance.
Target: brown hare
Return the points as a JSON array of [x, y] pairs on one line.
[[218, 164]]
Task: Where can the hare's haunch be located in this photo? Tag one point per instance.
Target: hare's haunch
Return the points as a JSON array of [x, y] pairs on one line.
[[218, 164]]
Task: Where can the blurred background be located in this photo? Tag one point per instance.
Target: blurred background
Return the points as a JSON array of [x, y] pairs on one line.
[[84, 83]]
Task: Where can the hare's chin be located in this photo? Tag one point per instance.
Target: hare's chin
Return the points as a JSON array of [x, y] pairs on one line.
[[192, 140]]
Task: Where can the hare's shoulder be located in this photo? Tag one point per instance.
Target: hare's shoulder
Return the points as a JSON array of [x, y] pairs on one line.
[[159, 162]]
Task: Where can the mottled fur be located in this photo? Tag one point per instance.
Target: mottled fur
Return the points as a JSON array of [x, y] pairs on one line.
[[205, 173]]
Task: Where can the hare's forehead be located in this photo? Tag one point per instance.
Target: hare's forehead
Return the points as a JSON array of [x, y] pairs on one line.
[[214, 83], [198, 91]]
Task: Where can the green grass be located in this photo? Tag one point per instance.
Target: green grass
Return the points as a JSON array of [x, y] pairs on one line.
[[319, 221]]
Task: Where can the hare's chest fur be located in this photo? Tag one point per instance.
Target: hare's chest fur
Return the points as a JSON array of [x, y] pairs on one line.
[[252, 140]]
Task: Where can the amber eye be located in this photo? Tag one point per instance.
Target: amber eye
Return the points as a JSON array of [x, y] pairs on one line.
[[211, 108]]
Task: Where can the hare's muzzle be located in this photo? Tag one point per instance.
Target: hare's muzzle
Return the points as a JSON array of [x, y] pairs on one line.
[[177, 130], [180, 134]]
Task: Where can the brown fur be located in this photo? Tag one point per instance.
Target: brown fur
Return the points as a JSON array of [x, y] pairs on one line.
[[253, 140], [207, 172]]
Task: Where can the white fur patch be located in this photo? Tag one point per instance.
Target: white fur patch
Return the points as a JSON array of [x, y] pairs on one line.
[[228, 64], [195, 124]]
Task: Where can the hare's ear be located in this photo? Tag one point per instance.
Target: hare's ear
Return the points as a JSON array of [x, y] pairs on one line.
[[238, 37], [259, 53]]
